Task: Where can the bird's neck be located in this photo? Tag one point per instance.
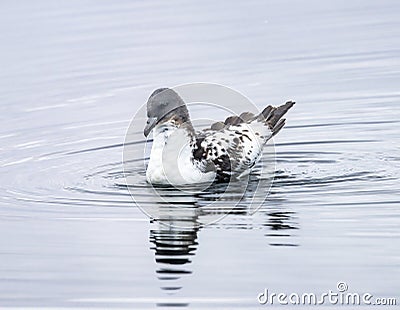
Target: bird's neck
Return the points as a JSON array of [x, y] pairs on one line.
[[171, 129]]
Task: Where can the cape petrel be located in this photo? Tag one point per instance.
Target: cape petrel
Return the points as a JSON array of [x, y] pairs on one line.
[[225, 151]]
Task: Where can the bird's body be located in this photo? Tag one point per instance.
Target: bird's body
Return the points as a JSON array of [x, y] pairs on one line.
[[227, 150]]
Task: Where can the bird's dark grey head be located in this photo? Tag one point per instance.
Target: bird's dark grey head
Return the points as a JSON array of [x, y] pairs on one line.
[[163, 105]]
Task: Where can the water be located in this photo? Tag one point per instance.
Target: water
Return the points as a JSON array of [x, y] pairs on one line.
[[74, 73]]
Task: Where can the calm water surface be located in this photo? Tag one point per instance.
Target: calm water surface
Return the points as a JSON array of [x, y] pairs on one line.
[[74, 73]]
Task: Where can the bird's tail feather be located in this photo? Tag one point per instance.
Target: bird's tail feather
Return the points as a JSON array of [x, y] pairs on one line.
[[272, 116]]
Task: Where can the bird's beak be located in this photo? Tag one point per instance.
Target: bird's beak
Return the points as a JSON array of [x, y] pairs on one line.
[[151, 122]]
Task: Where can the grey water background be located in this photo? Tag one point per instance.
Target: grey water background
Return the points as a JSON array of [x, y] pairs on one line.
[[73, 74]]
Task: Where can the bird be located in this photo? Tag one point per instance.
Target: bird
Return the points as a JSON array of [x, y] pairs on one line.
[[226, 151]]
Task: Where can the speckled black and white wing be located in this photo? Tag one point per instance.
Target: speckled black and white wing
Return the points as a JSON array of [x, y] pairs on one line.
[[233, 147]]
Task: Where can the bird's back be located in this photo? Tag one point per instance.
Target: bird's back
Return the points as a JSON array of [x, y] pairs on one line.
[[233, 147]]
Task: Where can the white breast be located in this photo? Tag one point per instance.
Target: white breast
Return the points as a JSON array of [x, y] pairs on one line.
[[171, 159]]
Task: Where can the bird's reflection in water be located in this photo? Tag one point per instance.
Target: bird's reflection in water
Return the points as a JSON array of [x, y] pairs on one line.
[[178, 217], [174, 241], [279, 219], [281, 225]]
